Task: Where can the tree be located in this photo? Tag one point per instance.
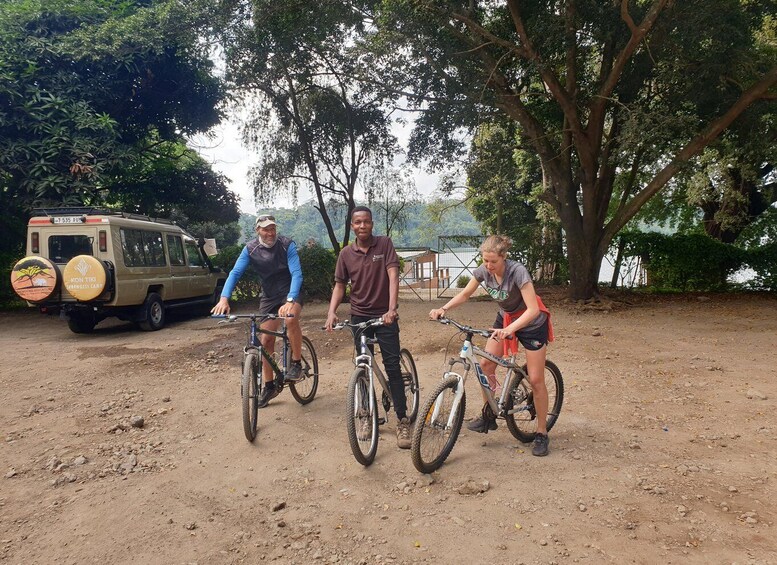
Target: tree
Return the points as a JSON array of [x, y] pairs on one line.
[[291, 64], [614, 97], [503, 181], [87, 90], [391, 194]]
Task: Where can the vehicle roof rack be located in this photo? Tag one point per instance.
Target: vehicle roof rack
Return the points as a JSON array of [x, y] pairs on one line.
[[93, 211]]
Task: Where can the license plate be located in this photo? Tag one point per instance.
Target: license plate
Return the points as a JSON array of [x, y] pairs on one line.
[[68, 220]]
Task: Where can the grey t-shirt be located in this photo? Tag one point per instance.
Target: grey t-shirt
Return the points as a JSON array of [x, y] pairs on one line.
[[508, 294]]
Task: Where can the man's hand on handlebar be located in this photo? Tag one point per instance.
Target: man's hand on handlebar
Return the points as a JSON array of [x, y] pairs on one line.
[[221, 308], [331, 320]]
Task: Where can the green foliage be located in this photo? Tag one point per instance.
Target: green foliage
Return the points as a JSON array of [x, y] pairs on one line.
[[421, 228], [462, 281], [763, 260], [318, 271], [614, 98], [8, 297], [685, 262], [249, 285], [95, 100], [225, 234], [315, 124]]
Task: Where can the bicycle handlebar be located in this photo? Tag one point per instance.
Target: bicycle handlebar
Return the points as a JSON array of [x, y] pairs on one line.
[[468, 329], [361, 325], [233, 317]]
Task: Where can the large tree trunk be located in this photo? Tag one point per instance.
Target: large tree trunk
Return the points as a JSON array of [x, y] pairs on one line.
[[584, 265]]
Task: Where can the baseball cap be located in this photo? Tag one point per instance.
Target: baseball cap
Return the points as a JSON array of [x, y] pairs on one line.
[[264, 220]]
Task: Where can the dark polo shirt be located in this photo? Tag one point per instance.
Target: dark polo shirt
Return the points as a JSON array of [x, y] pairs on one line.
[[367, 273]]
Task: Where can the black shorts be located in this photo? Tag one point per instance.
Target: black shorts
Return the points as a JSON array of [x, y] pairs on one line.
[[273, 305], [531, 339]]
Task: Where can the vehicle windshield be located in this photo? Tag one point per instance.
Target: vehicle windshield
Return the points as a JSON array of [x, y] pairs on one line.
[[62, 248]]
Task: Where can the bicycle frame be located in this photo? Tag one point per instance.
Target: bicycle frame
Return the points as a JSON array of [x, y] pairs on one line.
[[255, 344], [468, 357], [366, 359]]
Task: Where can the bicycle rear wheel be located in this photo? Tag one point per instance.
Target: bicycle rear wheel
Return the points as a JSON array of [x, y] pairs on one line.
[[361, 418], [410, 379], [521, 418], [249, 393], [304, 390], [438, 428]]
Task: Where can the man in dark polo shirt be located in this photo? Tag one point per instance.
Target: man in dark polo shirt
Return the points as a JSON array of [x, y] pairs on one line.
[[372, 266]]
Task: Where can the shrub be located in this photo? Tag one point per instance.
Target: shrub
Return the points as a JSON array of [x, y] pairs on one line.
[[318, 271], [763, 260], [462, 281], [249, 286], [686, 262]]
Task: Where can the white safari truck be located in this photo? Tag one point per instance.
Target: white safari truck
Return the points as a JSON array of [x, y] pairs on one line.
[[86, 264]]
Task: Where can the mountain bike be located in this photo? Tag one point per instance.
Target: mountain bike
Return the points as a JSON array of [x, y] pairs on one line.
[[436, 432], [362, 418], [251, 383]]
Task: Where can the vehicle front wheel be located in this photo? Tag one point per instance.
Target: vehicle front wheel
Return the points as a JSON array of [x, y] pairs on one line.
[[153, 311]]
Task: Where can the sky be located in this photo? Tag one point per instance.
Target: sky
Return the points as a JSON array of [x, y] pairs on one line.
[[225, 152]]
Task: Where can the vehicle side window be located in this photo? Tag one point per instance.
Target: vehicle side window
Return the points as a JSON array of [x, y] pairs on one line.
[[193, 253], [175, 249], [62, 248], [142, 248]]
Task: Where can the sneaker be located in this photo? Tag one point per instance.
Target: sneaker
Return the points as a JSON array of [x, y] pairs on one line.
[[540, 448], [364, 429], [267, 395], [485, 422], [403, 434], [294, 373]]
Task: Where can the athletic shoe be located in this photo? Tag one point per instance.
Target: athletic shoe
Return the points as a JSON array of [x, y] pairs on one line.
[[540, 448], [267, 395], [294, 373], [364, 428], [403, 434], [485, 422]]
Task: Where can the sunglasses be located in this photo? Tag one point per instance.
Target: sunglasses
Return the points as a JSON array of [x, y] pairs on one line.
[[265, 217]]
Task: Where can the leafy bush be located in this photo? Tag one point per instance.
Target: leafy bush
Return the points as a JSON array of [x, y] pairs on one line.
[[685, 262], [318, 270], [249, 286], [462, 281], [763, 260]]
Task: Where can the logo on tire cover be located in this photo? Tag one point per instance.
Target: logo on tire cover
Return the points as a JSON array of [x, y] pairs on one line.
[[82, 267]]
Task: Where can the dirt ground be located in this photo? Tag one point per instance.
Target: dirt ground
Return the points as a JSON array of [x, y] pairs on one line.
[[665, 450]]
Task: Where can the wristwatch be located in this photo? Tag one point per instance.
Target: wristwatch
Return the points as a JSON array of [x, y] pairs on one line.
[[289, 300]]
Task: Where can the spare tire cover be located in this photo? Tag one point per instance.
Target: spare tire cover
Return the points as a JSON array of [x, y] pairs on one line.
[[35, 278], [84, 277]]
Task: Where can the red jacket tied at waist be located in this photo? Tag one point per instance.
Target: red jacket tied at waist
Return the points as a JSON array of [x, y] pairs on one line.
[[511, 345]]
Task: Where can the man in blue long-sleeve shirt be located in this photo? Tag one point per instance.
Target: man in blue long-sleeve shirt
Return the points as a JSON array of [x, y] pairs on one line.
[[276, 261]]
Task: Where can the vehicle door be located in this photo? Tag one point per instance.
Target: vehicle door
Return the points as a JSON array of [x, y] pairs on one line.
[[200, 280], [179, 270]]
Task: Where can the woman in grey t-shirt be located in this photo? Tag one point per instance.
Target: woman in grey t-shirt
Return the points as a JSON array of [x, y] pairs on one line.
[[509, 283]]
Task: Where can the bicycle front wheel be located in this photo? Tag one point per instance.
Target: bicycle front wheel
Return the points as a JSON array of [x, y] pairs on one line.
[[410, 380], [362, 418], [304, 390], [249, 393], [521, 418], [438, 428]]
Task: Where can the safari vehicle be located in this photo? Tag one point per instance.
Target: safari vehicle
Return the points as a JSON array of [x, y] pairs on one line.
[[87, 264]]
